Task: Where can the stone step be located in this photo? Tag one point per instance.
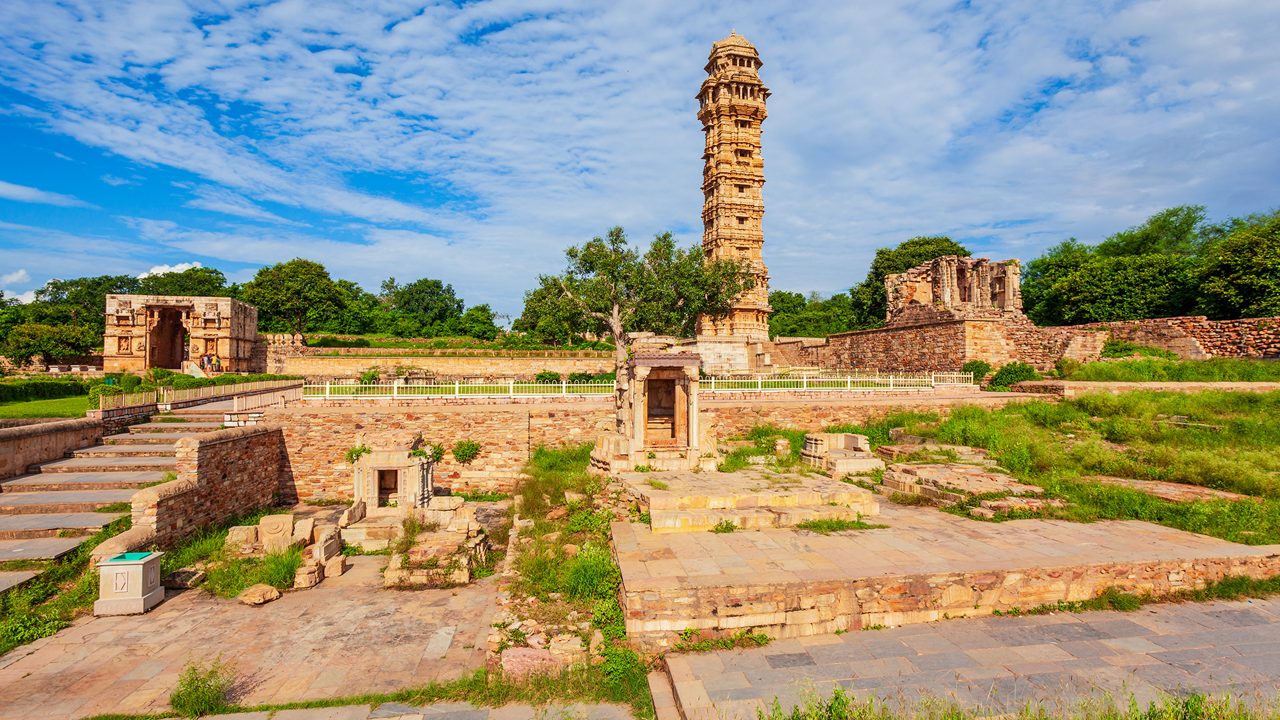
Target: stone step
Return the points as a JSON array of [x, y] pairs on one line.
[[10, 579], [146, 438], [69, 482], [664, 699], [106, 464], [175, 427], [61, 501], [753, 518], [729, 498], [46, 548], [156, 450], [372, 534], [49, 525]]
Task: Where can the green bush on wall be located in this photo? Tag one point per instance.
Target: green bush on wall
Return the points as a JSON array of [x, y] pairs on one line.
[[547, 377], [464, 451], [1014, 372], [979, 368], [25, 390]]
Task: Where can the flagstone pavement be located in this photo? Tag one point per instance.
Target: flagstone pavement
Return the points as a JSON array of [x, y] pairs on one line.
[[344, 637], [1003, 664]]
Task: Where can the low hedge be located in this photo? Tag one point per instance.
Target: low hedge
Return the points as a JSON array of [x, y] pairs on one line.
[[41, 389]]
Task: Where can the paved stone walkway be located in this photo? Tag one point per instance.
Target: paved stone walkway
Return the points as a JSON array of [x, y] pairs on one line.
[[1001, 664], [347, 636], [443, 711]]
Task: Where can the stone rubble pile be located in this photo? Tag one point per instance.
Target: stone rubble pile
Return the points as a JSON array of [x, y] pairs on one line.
[[446, 553], [951, 483], [322, 548]]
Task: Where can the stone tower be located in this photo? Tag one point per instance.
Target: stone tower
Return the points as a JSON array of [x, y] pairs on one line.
[[731, 106]]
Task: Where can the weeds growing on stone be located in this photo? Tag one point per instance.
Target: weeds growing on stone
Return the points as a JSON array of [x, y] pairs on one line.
[[203, 690], [51, 600], [826, 527], [1227, 442], [692, 640], [230, 578], [725, 526], [116, 507]]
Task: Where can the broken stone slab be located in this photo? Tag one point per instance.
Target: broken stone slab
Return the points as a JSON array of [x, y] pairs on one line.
[[335, 566], [521, 662], [302, 531], [275, 532], [259, 594], [352, 515], [327, 547], [308, 575], [988, 509], [446, 502], [242, 540]]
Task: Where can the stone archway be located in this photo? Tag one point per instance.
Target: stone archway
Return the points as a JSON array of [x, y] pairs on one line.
[[166, 338]]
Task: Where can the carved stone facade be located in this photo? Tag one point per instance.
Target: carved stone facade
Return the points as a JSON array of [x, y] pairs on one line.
[[659, 414], [731, 107], [146, 331], [954, 288]]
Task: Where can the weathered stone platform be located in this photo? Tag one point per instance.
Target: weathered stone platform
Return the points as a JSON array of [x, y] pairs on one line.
[[925, 566], [750, 499]]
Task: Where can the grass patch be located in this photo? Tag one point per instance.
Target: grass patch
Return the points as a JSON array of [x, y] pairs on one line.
[[657, 484], [826, 527], [1159, 369], [202, 691], [70, 407], [840, 705], [168, 419], [51, 600], [328, 502], [1232, 587], [484, 496], [725, 526], [694, 641], [877, 430], [115, 507], [1060, 446], [230, 578]]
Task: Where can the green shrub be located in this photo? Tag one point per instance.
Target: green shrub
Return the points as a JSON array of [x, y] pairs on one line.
[[328, 341], [203, 691], [591, 575], [1014, 372], [581, 377], [547, 377], [464, 451], [97, 391], [980, 369], [1066, 367], [370, 376], [129, 383], [1124, 349], [433, 452], [1151, 369], [27, 390], [355, 453], [725, 526]]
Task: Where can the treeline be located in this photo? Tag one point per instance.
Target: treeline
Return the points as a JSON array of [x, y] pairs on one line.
[[66, 319], [1175, 263]]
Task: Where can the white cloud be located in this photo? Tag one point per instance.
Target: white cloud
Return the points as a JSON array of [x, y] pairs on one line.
[[115, 181], [474, 142], [22, 193], [163, 269], [16, 277]]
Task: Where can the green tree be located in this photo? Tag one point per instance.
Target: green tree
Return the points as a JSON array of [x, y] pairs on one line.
[[1175, 231], [197, 281], [477, 322], [430, 303], [79, 301], [550, 317], [811, 317], [1041, 275], [870, 303], [1240, 275], [1126, 288], [292, 296], [54, 343], [608, 281]]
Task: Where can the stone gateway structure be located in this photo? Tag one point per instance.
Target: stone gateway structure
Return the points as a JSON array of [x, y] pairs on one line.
[[731, 107], [162, 331]]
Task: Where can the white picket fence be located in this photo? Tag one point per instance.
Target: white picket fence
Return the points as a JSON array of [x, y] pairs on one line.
[[860, 382], [168, 395]]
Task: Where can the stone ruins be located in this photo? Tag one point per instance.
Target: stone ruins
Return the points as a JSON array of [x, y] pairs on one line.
[[157, 331]]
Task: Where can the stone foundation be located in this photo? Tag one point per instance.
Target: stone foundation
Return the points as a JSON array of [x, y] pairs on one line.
[[22, 446]]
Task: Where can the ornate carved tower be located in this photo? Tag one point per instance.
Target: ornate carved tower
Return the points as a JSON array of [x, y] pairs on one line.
[[732, 108]]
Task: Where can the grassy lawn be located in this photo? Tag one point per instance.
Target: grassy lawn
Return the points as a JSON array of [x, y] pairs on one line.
[[1226, 442], [60, 407], [1159, 369]]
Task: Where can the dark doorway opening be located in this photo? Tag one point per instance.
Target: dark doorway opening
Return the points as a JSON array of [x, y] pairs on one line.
[[660, 425], [166, 341], [388, 486]]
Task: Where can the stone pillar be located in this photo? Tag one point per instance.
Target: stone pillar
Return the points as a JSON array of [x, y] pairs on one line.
[[691, 382]]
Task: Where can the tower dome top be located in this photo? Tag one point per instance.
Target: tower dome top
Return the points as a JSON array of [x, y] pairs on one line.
[[734, 40]]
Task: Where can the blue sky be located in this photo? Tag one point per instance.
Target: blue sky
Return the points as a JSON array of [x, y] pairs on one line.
[[473, 142]]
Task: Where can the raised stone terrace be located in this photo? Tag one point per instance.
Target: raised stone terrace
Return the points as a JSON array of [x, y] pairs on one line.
[[926, 565], [751, 499]]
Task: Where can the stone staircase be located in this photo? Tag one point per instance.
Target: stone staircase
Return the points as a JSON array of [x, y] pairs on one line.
[[51, 510], [697, 502]]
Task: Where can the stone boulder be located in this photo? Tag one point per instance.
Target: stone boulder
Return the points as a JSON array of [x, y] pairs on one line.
[[259, 594]]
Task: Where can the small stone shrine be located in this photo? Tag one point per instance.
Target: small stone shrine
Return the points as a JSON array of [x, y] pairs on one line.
[[659, 417]]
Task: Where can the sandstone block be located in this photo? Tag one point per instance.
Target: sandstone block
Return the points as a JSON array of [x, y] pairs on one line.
[[308, 576], [326, 548], [351, 515], [521, 662], [335, 566], [242, 539], [275, 532], [259, 594], [446, 502], [302, 531]]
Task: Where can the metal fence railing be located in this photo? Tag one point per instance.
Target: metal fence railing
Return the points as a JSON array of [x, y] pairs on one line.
[[264, 400], [218, 392], [124, 400], [861, 382]]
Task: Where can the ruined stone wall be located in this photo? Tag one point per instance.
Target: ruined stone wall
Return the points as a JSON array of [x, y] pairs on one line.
[[735, 418], [39, 442], [318, 438], [221, 474], [351, 364], [1196, 337], [912, 348]]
